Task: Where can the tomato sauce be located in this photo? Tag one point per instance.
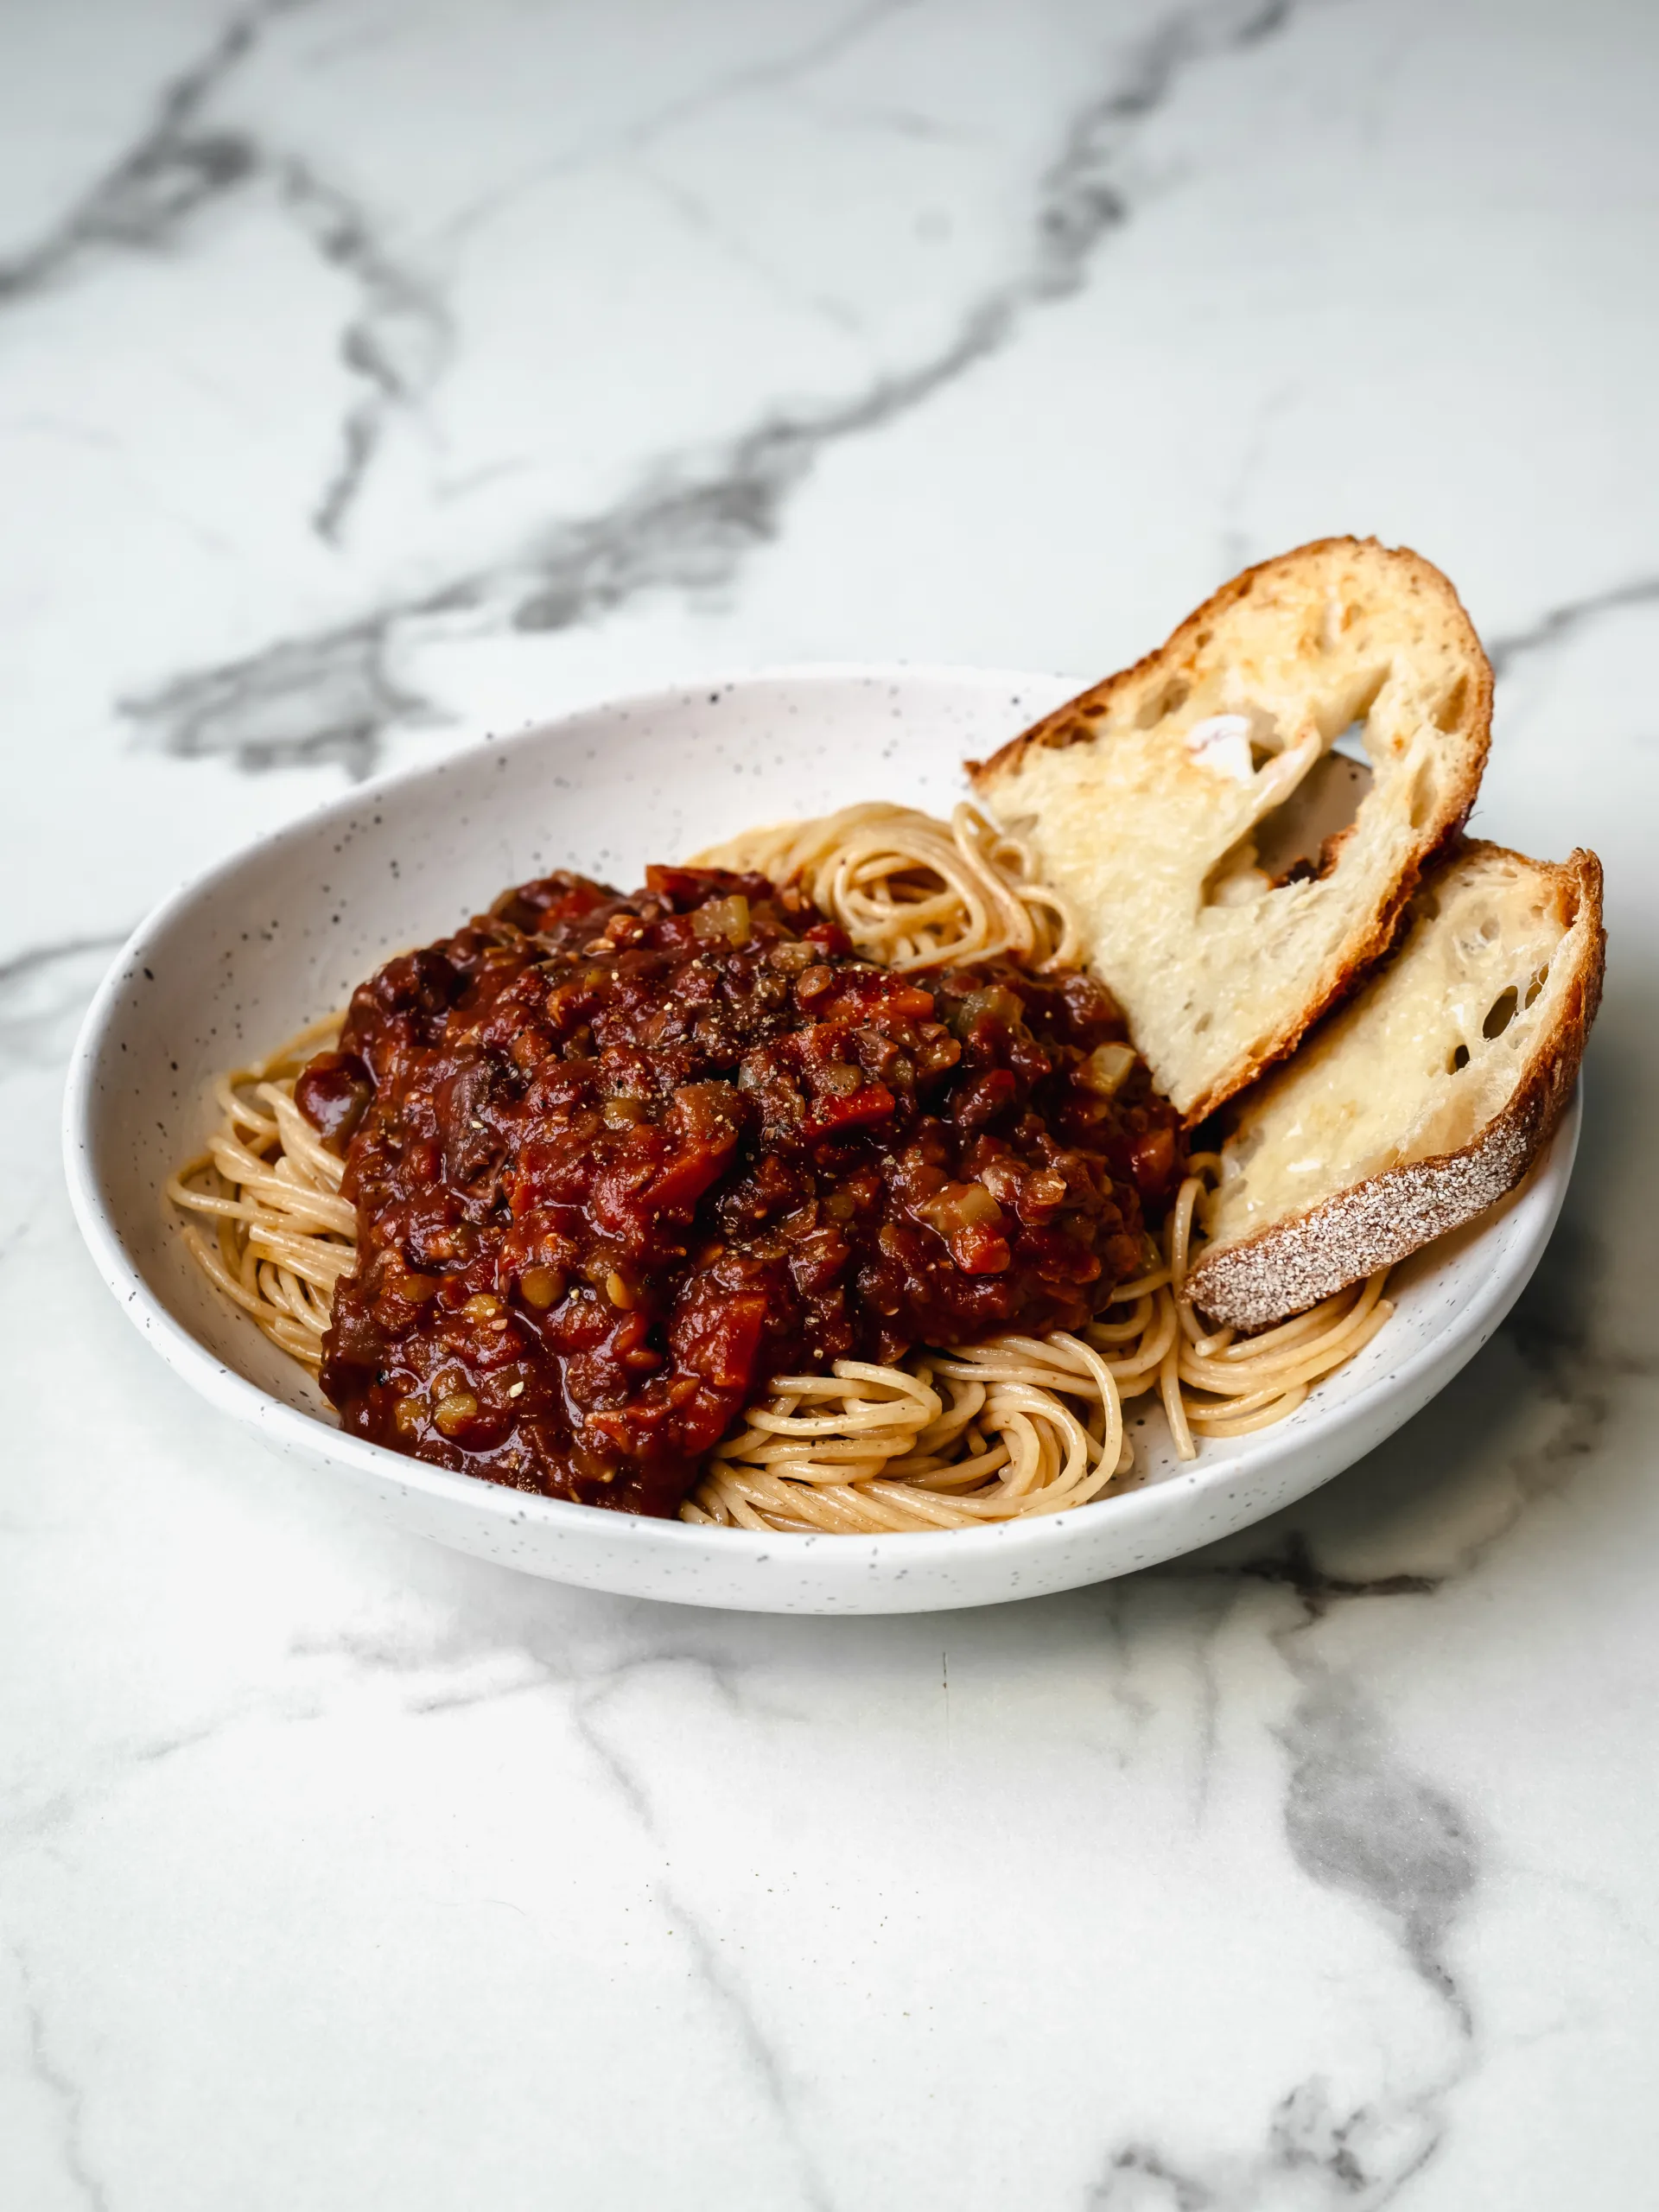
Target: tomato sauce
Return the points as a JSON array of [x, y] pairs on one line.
[[618, 1162]]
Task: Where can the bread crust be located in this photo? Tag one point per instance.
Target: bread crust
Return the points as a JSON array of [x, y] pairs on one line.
[[1366, 944], [1293, 1263]]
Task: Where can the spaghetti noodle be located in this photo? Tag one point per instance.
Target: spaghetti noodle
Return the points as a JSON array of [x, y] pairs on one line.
[[914, 892], [283, 1236]]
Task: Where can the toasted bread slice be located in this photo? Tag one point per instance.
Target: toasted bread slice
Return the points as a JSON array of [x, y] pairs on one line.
[[1160, 801], [1419, 1103]]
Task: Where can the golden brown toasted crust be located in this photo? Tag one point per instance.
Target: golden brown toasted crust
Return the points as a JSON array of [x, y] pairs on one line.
[[1293, 1263], [1068, 725]]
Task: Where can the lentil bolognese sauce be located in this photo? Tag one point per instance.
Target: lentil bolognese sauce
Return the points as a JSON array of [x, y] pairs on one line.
[[619, 1162]]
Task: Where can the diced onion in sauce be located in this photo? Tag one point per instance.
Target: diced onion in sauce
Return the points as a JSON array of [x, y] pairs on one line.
[[961, 1205], [1106, 1067], [723, 920]]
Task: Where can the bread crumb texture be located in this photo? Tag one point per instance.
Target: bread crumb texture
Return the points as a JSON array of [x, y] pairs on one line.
[[1164, 801]]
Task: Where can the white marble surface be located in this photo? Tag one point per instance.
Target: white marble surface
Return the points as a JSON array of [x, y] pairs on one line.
[[372, 372]]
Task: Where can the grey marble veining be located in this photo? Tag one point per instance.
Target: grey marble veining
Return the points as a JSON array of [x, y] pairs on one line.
[[372, 377], [182, 164], [1558, 623], [691, 519], [44, 992]]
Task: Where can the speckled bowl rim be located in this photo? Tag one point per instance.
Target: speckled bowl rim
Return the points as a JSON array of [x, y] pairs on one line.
[[1029, 1541]]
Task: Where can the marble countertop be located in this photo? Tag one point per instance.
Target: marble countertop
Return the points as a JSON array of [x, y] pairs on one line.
[[373, 374]]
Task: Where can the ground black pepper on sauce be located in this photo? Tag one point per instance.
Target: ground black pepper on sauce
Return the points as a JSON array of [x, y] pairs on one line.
[[618, 1162]]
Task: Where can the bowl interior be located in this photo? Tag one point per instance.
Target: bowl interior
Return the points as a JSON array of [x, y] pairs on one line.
[[282, 932]]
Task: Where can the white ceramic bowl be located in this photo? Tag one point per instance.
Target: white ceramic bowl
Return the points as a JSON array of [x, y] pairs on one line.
[[281, 932]]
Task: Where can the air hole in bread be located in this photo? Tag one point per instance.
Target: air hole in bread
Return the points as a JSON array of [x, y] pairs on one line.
[[1424, 796], [1165, 701], [1500, 1014], [1450, 711], [1459, 1059], [1536, 984], [1298, 840], [1074, 729], [1240, 1151]]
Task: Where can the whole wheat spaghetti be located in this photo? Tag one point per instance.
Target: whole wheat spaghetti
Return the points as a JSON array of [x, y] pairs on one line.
[[914, 892], [261, 1208]]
